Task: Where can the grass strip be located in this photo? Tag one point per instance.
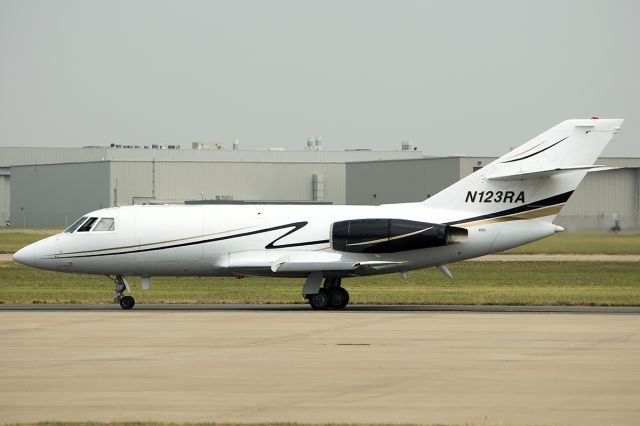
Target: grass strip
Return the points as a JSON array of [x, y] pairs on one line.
[[474, 283], [10, 242], [566, 243]]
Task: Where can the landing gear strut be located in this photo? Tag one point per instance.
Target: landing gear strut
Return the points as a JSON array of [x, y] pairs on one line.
[[126, 302], [330, 296]]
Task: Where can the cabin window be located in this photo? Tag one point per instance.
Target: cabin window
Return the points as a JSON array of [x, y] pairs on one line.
[[87, 225], [75, 225], [105, 224]]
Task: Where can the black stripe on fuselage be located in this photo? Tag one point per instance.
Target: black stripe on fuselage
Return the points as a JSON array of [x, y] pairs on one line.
[[271, 245], [551, 201], [535, 153]]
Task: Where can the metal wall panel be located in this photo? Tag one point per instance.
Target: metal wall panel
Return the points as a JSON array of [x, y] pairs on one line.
[[177, 181], [55, 195], [5, 200], [469, 164], [130, 182], [619, 161], [383, 182], [599, 196]]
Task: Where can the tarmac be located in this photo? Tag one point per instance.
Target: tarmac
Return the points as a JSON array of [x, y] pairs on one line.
[[275, 363]]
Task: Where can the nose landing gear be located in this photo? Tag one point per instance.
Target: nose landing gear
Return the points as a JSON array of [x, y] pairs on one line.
[[126, 302]]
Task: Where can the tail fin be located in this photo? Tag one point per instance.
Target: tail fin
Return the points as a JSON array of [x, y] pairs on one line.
[[536, 178]]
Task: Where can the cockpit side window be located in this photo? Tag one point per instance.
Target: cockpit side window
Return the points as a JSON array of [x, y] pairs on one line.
[[105, 224], [87, 225], [75, 225]]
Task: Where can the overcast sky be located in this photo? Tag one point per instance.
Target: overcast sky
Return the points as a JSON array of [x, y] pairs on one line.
[[452, 77]]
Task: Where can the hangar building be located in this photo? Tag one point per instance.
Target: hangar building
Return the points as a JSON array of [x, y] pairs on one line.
[[54, 186]]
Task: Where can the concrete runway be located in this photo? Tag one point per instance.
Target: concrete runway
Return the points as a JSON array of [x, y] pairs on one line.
[[290, 365]]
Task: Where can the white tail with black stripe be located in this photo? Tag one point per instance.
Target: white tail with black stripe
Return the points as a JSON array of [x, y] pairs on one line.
[[541, 174]]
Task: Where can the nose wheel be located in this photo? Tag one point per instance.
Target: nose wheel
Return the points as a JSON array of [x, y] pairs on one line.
[[126, 302]]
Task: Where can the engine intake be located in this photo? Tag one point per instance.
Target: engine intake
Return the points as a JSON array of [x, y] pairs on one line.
[[392, 235]]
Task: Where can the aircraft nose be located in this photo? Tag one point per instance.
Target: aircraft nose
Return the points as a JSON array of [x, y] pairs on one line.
[[26, 255]]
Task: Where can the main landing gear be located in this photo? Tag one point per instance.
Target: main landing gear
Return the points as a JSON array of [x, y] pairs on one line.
[[126, 302], [330, 296]]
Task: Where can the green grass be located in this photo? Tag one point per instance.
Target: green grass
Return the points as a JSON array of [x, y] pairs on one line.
[[483, 283], [530, 283], [608, 243], [10, 242]]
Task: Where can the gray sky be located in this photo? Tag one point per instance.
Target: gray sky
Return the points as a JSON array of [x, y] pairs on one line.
[[452, 77]]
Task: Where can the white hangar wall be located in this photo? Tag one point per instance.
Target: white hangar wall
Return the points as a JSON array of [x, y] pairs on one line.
[[600, 196], [139, 182], [191, 174], [5, 197], [57, 194]]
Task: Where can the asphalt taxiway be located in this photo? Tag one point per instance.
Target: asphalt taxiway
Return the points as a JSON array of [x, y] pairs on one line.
[[297, 365]]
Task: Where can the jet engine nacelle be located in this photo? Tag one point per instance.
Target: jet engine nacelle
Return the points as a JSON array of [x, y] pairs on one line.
[[392, 235]]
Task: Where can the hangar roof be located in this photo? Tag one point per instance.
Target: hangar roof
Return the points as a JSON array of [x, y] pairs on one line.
[[15, 156]]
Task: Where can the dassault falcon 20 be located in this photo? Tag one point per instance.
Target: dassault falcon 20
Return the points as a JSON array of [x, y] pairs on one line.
[[510, 202]]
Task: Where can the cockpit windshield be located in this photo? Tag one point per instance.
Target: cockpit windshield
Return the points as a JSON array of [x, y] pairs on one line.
[[86, 227], [75, 225], [85, 223]]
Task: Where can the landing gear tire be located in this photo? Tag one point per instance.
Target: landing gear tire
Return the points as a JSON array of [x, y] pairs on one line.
[[127, 302], [320, 300], [338, 298]]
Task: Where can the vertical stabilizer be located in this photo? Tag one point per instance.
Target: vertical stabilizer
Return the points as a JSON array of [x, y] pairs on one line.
[[537, 177]]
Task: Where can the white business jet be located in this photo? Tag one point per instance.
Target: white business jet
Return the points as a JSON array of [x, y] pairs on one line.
[[510, 202]]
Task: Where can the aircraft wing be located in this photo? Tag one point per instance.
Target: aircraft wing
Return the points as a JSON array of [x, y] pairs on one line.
[[298, 266], [298, 262]]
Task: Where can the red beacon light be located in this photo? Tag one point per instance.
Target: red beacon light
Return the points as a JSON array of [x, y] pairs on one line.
[[594, 117]]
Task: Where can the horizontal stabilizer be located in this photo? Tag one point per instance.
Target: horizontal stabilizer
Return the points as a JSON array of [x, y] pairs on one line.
[[536, 174]]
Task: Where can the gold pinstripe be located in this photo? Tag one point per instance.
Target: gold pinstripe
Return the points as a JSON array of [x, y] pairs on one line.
[[161, 242], [531, 214]]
